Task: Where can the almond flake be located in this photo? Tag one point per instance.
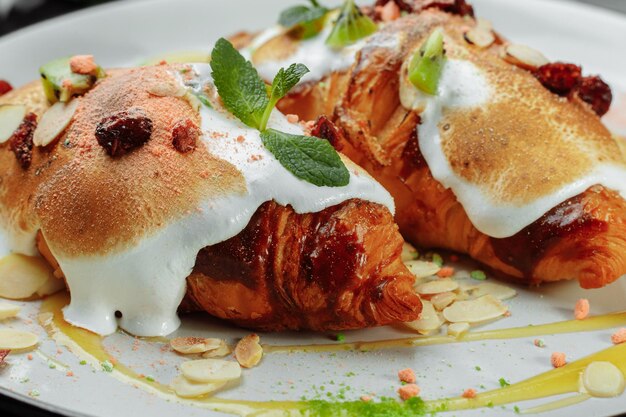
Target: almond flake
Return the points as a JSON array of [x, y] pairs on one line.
[[429, 319], [210, 370], [409, 253], [524, 56], [53, 122], [422, 269], [443, 300], [8, 310], [501, 292], [222, 350], [457, 329], [52, 286], [190, 345], [475, 311], [17, 340], [437, 286], [188, 389], [11, 117], [248, 351], [603, 379], [480, 37], [21, 276]]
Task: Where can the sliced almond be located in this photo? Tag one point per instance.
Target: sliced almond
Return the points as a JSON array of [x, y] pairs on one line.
[[166, 87], [190, 345], [218, 352], [483, 23], [422, 269], [480, 37], [210, 370], [524, 56], [501, 292], [443, 300], [457, 329], [54, 121], [11, 117], [409, 253], [188, 389], [52, 286], [603, 379], [437, 286], [21, 276], [429, 319], [16, 340], [8, 310], [475, 311], [248, 351]]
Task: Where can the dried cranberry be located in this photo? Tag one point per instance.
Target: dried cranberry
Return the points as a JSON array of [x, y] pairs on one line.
[[558, 77], [124, 131], [459, 7], [185, 135], [596, 92], [5, 87], [326, 129], [21, 142]]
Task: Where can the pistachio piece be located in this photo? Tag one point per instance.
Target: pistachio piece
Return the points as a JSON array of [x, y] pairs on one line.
[[248, 351], [17, 340], [603, 379], [210, 370], [53, 122], [475, 311], [21, 276], [188, 389], [8, 310], [437, 286], [524, 56], [11, 117]]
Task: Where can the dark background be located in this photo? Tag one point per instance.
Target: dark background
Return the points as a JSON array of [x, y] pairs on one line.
[[39, 10]]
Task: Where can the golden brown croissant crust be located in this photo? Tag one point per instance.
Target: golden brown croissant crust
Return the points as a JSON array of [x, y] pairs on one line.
[[336, 269]]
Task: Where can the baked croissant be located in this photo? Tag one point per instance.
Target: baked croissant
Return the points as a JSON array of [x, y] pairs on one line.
[[132, 196], [526, 178]]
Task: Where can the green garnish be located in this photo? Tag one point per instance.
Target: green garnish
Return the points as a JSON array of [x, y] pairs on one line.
[[307, 157], [284, 81], [478, 368], [427, 64], [309, 19], [51, 365], [202, 98], [61, 84], [107, 366], [83, 362], [340, 337], [437, 260], [516, 409], [503, 382], [350, 26], [478, 275], [245, 95], [149, 379]]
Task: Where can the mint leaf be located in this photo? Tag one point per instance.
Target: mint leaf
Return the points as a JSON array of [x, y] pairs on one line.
[[239, 85], [350, 26], [297, 15], [309, 158], [284, 81]]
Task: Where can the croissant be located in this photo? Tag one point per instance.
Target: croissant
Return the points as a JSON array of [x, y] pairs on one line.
[[526, 180], [128, 191]]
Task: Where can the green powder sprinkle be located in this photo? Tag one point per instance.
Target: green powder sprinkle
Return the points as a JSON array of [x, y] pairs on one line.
[[34, 393], [107, 366], [51, 365], [340, 337], [478, 368], [503, 382], [437, 259], [478, 275], [83, 362], [516, 409], [386, 407], [149, 379]]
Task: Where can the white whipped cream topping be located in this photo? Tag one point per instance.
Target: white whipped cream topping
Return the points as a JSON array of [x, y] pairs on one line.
[[320, 59], [146, 283], [463, 86]]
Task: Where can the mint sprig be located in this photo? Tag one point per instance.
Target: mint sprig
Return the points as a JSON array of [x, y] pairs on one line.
[[284, 81], [245, 95], [351, 26], [298, 15], [309, 158], [238, 84]]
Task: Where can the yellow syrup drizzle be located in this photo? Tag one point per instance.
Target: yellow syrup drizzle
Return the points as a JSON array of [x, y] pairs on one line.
[[554, 382]]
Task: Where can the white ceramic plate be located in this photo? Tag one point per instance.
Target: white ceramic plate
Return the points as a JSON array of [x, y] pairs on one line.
[[127, 32]]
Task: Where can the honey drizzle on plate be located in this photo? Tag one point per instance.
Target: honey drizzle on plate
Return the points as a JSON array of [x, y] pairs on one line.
[[558, 381]]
